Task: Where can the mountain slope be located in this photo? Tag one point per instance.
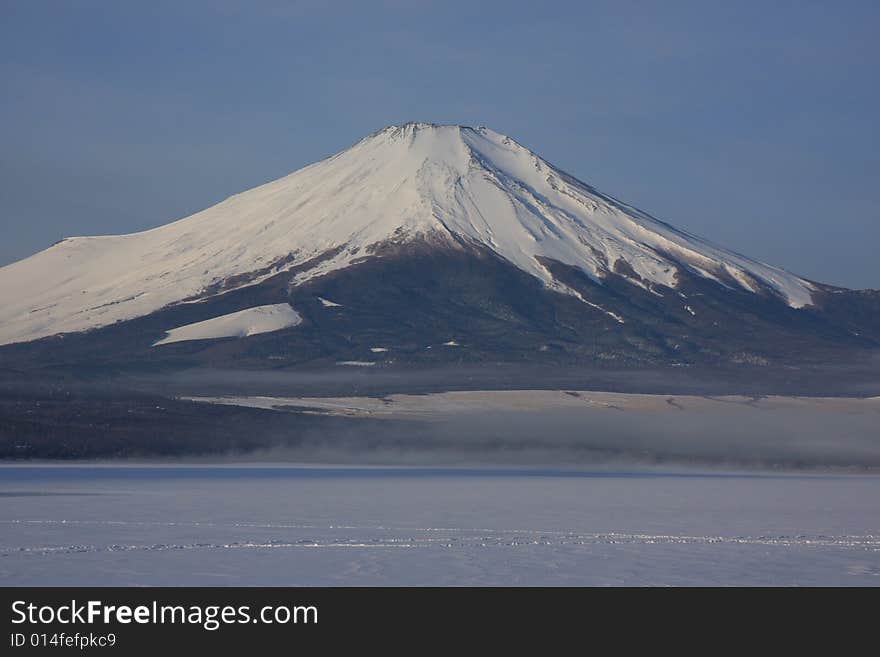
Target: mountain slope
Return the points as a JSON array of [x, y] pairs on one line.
[[452, 187]]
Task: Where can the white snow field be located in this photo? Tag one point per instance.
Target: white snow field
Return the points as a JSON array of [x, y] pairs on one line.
[[443, 405], [274, 525], [251, 321], [450, 184]]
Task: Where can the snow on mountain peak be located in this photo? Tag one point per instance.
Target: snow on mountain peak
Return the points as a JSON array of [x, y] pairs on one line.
[[400, 183]]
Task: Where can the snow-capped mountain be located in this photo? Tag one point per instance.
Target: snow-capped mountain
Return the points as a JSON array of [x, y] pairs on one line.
[[404, 190]]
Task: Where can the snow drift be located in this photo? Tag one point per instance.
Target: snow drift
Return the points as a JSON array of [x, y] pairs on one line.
[[252, 321]]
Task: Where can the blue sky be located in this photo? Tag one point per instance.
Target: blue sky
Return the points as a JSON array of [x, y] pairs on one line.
[[753, 124]]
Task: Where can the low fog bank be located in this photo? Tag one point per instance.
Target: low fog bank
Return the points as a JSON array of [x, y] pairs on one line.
[[96, 422], [741, 438]]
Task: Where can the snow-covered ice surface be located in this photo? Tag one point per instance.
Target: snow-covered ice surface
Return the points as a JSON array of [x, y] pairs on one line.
[[439, 405], [447, 183], [297, 525], [251, 321]]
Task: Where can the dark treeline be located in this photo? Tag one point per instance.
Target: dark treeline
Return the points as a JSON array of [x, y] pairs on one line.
[[80, 422]]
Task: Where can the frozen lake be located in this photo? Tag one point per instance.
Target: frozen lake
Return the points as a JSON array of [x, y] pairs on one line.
[[312, 525]]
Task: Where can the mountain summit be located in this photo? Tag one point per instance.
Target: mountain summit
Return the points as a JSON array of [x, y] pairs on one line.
[[414, 191]]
